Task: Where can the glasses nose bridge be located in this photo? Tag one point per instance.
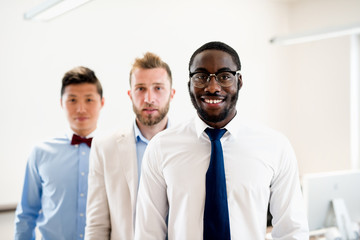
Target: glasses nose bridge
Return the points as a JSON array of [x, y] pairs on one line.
[[211, 75]]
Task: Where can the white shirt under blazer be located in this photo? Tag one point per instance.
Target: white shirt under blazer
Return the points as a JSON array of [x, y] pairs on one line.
[[113, 183], [260, 167]]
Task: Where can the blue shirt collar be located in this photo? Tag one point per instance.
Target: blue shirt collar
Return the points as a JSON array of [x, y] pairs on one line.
[[138, 134]]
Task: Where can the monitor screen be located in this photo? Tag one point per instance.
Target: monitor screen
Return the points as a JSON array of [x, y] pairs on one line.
[[321, 188]]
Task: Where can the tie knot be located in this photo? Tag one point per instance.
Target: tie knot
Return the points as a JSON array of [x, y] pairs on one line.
[[77, 140], [215, 133]]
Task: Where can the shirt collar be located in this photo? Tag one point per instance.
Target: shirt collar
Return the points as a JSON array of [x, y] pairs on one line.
[[232, 127], [138, 134]]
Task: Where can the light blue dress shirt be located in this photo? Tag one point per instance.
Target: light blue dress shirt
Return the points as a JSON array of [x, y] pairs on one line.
[[55, 191], [141, 144]]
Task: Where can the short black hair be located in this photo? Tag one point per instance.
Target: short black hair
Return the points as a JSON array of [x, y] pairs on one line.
[[80, 75], [217, 46]]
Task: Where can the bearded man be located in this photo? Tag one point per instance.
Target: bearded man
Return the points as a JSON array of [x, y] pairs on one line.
[[214, 176], [115, 161]]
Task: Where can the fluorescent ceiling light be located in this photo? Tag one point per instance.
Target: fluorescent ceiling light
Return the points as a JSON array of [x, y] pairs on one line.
[[317, 35], [52, 8]]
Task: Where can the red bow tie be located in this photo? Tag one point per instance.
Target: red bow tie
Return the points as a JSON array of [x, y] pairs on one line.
[[77, 140]]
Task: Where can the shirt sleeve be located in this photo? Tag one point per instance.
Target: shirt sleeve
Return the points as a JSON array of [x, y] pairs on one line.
[[98, 224], [152, 203], [286, 200], [29, 207]]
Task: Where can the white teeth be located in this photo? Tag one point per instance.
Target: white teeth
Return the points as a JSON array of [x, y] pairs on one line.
[[211, 101]]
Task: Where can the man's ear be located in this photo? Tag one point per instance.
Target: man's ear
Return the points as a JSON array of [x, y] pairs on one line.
[[172, 93], [240, 81], [102, 101]]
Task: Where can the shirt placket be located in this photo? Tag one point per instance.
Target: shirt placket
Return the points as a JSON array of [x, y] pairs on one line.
[[83, 155]]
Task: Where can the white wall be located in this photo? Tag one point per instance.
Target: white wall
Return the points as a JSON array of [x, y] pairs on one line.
[[319, 107], [107, 35]]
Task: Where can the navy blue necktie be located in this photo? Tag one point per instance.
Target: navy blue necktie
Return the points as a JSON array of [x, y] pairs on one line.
[[216, 213]]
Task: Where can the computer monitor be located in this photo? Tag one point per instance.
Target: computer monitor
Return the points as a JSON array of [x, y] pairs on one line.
[[320, 189]]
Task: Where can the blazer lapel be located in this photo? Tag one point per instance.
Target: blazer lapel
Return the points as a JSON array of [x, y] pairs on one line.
[[127, 149]]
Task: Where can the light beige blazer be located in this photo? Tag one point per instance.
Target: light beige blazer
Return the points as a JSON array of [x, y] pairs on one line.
[[112, 187]]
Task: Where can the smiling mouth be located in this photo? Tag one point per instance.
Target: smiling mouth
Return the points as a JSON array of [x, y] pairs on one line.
[[213, 101]]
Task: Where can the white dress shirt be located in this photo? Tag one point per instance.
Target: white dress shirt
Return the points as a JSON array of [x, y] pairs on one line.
[[260, 167]]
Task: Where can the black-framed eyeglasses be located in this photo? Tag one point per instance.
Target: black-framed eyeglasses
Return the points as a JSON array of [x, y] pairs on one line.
[[224, 78]]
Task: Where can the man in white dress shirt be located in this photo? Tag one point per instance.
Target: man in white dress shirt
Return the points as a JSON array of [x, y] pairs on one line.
[[260, 165], [115, 160]]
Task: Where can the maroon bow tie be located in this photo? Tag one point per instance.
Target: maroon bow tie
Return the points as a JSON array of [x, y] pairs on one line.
[[77, 140]]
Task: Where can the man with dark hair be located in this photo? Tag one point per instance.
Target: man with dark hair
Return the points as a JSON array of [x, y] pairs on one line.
[[213, 176], [115, 160], [55, 187]]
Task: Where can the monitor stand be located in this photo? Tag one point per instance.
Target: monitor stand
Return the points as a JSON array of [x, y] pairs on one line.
[[339, 216]]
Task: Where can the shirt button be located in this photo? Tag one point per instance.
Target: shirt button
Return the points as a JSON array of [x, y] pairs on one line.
[[81, 194], [76, 145], [81, 214], [83, 153], [81, 235], [82, 173]]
